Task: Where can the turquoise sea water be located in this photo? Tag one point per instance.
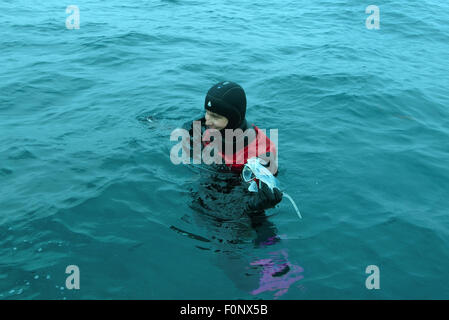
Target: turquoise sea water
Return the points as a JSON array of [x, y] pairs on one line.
[[86, 179]]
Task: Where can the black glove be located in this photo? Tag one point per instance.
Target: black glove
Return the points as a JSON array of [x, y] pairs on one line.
[[264, 199]]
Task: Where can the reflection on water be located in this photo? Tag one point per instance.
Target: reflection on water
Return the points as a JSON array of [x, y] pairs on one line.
[[278, 274], [240, 240]]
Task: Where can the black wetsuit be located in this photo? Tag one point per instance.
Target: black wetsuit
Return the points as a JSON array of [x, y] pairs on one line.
[[221, 195]]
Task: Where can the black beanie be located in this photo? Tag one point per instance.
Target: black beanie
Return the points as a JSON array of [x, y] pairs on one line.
[[227, 99]]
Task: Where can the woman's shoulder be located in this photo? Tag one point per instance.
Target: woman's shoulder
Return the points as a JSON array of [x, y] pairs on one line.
[[189, 124]]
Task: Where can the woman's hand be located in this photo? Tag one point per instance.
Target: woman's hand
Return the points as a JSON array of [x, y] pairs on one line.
[[265, 198]]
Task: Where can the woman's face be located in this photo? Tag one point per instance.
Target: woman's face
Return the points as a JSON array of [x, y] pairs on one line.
[[215, 121]]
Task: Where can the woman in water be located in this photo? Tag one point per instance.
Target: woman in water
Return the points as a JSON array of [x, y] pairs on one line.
[[224, 119], [231, 215]]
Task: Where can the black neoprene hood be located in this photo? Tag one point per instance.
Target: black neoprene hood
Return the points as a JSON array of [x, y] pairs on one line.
[[227, 99]]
